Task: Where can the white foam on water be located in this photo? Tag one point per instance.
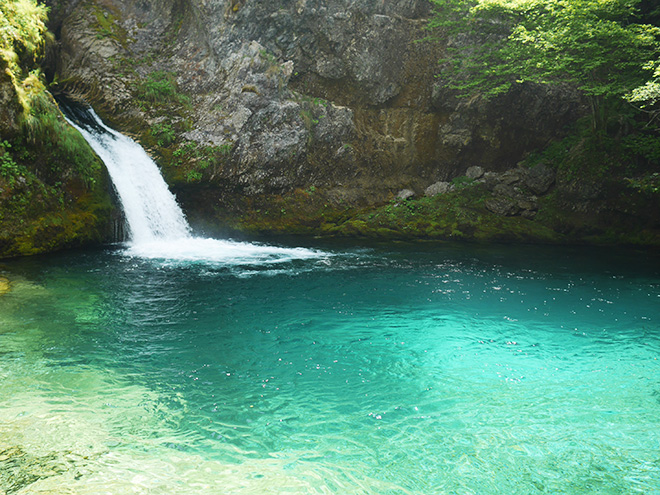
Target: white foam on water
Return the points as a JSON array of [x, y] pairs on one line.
[[196, 249]]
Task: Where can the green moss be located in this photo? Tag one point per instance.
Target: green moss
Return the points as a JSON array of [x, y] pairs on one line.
[[78, 224], [53, 188], [191, 162], [107, 26], [9, 169], [458, 215], [647, 184], [23, 37], [53, 195]]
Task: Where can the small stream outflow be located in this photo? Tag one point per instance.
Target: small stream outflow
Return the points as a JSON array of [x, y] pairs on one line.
[[151, 211]]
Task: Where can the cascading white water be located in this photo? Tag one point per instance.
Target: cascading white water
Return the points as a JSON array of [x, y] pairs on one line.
[[157, 227], [152, 213]]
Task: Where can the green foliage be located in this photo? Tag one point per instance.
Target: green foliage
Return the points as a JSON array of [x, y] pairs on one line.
[[193, 176], [312, 112], [644, 145], [196, 160], [40, 115], [595, 45], [309, 119], [48, 173], [184, 153], [9, 169], [649, 184], [582, 154], [41, 183], [164, 133], [23, 37], [224, 149], [46, 131], [462, 181], [647, 96], [72, 148], [160, 88], [106, 25], [629, 146], [274, 66], [22, 32]]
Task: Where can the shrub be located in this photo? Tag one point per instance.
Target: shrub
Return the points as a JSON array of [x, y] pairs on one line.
[[160, 87], [9, 169], [163, 133]]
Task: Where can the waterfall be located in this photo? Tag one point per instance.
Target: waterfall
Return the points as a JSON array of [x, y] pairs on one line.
[[156, 225], [151, 211]]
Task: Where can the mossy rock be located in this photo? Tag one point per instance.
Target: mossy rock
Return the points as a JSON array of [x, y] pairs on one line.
[[5, 285]]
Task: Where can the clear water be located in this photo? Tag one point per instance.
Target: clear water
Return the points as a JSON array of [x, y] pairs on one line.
[[388, 370]]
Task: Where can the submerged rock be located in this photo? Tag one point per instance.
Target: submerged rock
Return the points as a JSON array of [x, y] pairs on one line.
[[20, 469]]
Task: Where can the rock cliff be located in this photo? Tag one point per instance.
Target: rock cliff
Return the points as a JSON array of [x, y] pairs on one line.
[[311, 115]]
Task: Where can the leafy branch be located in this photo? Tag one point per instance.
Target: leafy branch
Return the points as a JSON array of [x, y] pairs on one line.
[[595, 45]]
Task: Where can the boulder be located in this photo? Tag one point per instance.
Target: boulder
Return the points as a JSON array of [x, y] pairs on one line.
[[437, 188], [540, 178], [474, 172], [506, 191], [528, 203], [405, 194], [512, 176], [502, 206]]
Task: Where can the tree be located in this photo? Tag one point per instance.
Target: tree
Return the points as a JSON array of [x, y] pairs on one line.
[[647, 96], [595, 45]]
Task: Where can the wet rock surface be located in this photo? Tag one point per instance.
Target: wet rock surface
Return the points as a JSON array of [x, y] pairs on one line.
[[19, 469]]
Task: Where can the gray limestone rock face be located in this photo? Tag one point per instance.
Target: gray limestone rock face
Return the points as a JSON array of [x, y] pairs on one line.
[[324, 92], [9, 107]]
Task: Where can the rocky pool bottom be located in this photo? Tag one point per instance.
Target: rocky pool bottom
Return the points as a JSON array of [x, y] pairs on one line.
[[400, 369]]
